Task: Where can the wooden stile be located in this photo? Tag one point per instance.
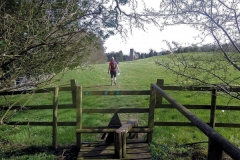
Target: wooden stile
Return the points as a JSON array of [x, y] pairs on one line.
[[120, 138], [120, 134]]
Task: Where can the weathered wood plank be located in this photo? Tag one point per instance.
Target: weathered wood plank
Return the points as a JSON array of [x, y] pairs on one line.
[[35, 107], [138, 143], [168, 106], [114, 93], [173, 124], [96, 148], [61, 88], [233, 125], [127, 126], [198, 88], [218, 107], [187, 88], [44, 90], [106, 151], [120, 110], [107, 130], [133, 130], [137, 150], [116, 110], [97, 151], [109, 157], [139, 156]]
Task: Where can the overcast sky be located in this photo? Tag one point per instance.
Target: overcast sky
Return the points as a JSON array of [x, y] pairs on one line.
[[153, 38]]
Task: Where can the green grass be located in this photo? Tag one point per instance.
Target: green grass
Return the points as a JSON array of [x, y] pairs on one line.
[[135, 75]]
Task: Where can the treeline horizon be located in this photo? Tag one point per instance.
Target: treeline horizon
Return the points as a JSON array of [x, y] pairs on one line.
[[119, 56]]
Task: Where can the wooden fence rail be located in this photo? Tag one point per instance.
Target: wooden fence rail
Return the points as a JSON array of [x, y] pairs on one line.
[[55, 106], [217, 143], [156, 98]]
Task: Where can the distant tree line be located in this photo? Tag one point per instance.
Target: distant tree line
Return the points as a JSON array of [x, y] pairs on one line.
[[119, 56], [203, 48]]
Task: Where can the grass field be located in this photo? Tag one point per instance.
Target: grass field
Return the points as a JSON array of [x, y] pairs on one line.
[[24, 142]]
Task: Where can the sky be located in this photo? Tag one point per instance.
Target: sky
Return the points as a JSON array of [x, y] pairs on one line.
[[153, 38]]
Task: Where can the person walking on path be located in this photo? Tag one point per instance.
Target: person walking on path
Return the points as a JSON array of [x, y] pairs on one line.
[[112, 68]]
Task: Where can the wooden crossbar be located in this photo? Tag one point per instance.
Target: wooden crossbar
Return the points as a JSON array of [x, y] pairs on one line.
[[120, 138], [107, 130]]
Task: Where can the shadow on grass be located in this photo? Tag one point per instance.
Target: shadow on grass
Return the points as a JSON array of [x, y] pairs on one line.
[[61, 153]]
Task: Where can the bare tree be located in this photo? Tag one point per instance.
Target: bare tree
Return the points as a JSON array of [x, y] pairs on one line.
[[44, 37], [218, 19], [37, 32], [38, 39]]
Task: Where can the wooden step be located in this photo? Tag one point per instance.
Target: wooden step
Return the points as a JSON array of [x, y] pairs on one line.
[[135, 150]]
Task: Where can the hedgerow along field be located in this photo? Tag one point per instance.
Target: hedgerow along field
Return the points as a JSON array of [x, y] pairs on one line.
[[33, 142]]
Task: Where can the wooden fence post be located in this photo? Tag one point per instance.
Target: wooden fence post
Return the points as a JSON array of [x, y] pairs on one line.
[[124, 144], [79, 115], [55, 113], [160, 82], [151, 113], [213, 108], [214, 151], [118, 144], [77, 102]]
